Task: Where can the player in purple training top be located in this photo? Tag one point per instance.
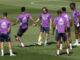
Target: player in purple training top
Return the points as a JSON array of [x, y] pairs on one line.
[[61, 24], [46, 25], [76, 16], [23, 18], [5, 29], [69, 26]]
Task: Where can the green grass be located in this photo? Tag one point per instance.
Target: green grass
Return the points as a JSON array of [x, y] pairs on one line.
[[32, 52]]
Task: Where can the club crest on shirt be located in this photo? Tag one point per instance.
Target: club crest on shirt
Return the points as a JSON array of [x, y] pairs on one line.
[[45, 17], [61, 21], [4, 25], [24, 20]]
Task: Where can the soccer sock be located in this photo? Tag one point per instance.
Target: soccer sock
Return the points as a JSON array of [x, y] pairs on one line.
[[10, 51], [67, 51], [70, 45], [45, 42], [58, 52], [60, 46], [77, 41], [2, 51], [22, 44], [39, 40]]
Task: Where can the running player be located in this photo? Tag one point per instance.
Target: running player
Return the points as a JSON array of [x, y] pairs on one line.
[[76, 16], [5, 29], [46, 25], [23, 18], [69, 25], [61, 24]]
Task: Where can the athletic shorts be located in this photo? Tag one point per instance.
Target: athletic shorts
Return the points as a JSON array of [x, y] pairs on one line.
[[5, 37], [44, 29], [61, 35], [21, 31]]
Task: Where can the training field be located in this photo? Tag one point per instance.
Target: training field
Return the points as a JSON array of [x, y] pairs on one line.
[[32, 52]]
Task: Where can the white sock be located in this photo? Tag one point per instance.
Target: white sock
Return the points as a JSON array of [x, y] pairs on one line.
[[67, 50], [58, 52], [60, 46], [77, 41], [10, 51], [39, 40], [2, 51], [45, 41], [22, 44], [70, 45]]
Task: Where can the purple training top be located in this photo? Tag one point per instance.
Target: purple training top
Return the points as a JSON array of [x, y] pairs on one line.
[[60, 22], [75, 15], [68, 18], [23, 18], [4, 25], [45, 19]]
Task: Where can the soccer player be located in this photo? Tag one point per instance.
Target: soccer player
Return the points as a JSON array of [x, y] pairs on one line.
[[69, 26], [23, 18], [61, 24], [76, 16], [5, 29], [46, 25]]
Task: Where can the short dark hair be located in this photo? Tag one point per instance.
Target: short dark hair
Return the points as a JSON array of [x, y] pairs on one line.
[[74, 4], [5, 14], [45, 8], [63, 8], [59, 12], [23, 9]]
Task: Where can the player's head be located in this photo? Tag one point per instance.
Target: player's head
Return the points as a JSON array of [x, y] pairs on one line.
[[45, 10], [59, 12], [23, 9], [5, 14], [72, 6], [63, 9]]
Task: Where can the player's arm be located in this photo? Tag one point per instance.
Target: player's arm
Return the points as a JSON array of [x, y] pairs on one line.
[[53, 28], [71, 23], [66, 27], [15, 23], [32, 20], [9, 29], [50, 24]]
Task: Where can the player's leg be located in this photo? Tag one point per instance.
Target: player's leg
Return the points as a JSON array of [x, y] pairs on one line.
[[10, 49], [2, 48], [58, 37], [76, 34], [65, 42], [61, 43], [7, 38], [40, 38], [69, 38], [46, 39], [47, 35], [40, 35]]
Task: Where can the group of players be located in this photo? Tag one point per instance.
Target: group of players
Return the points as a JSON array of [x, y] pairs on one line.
[[62, 23]]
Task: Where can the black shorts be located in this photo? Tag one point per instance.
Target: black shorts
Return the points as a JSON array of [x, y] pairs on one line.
[[5, 37], [21, 31], [44, 29], [59, 35]]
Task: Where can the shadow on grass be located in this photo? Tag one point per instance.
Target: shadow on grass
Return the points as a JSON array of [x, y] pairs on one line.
[[66, 53], [9, 53]]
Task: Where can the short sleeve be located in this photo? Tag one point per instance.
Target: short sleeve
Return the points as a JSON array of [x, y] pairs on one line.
[[18, 19], [50, 17], [40, 17], [9, 23], [77, 13], [29, 16], [55, 21], [69, 17]]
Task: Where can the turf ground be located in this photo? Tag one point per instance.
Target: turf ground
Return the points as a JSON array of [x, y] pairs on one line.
[[32, 52]]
